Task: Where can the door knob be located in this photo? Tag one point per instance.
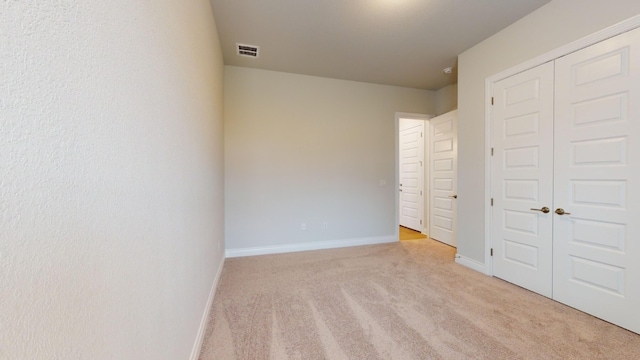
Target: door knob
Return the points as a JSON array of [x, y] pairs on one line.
[[544, 209], [453, 196], [560, 211]]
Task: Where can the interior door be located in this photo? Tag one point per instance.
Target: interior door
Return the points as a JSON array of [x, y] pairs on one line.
[[522, 169], [597, 180], [443, 144], [411, 165]]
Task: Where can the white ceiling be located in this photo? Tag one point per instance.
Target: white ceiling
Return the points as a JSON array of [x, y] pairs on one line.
[[395, 42]]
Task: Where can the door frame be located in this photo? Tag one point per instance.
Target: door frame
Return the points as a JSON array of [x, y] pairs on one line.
[[617, 29], [425, 192]]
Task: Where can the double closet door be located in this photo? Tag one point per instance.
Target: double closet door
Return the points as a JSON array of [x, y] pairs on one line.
[[566, 180]]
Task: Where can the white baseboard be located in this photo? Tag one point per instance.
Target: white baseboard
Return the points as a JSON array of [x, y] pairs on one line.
[[197, 346], [472, 264], [318, 245]]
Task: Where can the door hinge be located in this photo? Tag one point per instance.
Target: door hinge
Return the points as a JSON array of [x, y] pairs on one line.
[[420, 192], [491, 201], [492, 100], [420, 133], [420, 222], [491, 251], [491, 151]]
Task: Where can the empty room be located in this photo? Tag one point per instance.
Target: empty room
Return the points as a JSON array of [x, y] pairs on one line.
[[213, 179]]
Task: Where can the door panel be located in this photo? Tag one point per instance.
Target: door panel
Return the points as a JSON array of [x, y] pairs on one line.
[[522, 168], [597, 180], [411, 173], [443, 142]]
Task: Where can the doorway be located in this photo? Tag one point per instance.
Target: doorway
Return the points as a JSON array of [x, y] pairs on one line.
[[426, 163]]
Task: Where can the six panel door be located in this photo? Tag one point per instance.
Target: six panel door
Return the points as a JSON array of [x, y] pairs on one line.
[[444, 147], [411, 173], [522, 168], [597, 180]]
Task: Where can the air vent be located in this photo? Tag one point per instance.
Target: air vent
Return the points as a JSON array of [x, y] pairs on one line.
[[247, 50]]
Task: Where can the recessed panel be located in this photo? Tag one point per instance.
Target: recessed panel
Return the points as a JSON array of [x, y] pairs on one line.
[[521, 125], [522, 92], [600, 152], [599, 110], [600, 234], [410, 138], [521, 158], [442, 128], [443, 165], [410, 153], [443, 184], [521, 190], [602, 68], [443, 145], [521, 253], [599, 193], [443, 203], [602, 276], [410, 198], [410, 168], [525, 222], [410, 182], [443, 222], [410, 212]]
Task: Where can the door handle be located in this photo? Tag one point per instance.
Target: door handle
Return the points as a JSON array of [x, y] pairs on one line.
[[560, 211], [544, 210], [453, 196]]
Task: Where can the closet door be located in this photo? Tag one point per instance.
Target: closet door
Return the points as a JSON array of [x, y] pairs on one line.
[[522, 171], [597, 180]]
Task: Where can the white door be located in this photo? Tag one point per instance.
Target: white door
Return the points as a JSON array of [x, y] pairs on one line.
[[411, 165], [597, 180], [522, 169], [443, 144]]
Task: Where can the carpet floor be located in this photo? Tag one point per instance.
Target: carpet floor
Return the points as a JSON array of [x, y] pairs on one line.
[[405, 300]]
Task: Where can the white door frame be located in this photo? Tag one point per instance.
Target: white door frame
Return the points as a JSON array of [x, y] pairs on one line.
[[414, 116], [621, 27]]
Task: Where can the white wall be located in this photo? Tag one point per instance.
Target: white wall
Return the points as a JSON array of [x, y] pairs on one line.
[[313, 150], [446, 99], [553, 25], [111, 188]]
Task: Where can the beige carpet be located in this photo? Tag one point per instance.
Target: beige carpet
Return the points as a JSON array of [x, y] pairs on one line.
[[406, 300]]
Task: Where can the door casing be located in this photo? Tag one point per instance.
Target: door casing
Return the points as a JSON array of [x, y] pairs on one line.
[[425, 118]]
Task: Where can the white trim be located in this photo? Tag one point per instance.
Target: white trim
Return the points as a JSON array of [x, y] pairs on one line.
[[197, 346], [609, 32], [471, 264], [487, 178], [318, 245]]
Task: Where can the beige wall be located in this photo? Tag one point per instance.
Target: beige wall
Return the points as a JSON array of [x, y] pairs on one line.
[[553, 25], [446, 99], [313, 150], [111, 196]]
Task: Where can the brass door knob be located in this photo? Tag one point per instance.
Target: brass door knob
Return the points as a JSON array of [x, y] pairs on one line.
[[453, 196], [560, 211], [544, 209]]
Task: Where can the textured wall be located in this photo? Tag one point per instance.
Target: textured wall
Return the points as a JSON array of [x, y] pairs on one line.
[[446, 99], [553, 25], [111, 188], [313, 150]]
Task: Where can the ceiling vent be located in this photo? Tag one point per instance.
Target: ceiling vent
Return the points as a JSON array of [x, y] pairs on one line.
[[247, 50]]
